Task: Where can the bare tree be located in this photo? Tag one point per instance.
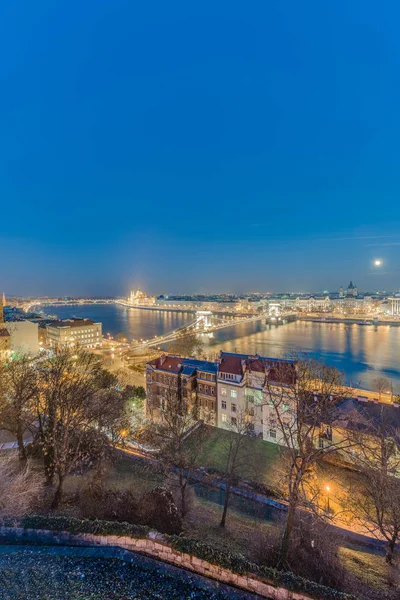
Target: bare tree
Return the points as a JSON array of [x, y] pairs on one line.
[[77, 408], [178, 438], [18, 487], [382, 385], [19, 389], [301, 405], [187, 344], [238, 454], [375, 500]]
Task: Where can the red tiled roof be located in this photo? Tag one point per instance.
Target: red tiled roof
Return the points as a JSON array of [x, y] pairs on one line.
[[231, 364], [172, 364]]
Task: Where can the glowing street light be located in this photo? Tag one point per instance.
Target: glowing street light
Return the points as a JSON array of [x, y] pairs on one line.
[[328, 489]]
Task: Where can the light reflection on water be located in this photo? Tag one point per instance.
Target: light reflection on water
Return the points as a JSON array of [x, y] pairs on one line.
[[363, 352]]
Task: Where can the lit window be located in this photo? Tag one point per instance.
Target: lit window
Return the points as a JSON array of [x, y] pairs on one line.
[[223, 391], [233, 393], [223, 418]]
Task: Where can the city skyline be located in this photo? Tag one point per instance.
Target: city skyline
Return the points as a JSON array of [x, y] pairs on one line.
[[198, 147]]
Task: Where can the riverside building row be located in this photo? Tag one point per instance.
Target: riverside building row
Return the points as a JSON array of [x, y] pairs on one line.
[[234, 385], [218, 392]]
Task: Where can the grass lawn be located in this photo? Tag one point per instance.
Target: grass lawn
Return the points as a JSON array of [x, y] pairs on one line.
[[370, 568], [263, 457]]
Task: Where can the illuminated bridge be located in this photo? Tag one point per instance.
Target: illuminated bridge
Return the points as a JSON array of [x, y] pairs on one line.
[[206, 323]]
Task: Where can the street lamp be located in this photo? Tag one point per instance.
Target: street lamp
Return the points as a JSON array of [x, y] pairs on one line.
[[328, 489]]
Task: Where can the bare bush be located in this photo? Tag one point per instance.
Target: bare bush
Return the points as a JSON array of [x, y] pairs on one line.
[[96, 502], [19, 488]]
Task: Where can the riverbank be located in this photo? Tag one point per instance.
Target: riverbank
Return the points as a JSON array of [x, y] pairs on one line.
[[350, 320]]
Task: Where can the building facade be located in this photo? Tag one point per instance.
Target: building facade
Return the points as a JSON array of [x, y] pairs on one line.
[[192, 382], [5, 341], [242, 380], [394, 305], [216, 392], [313, 304], [74, 332], [24, 337], [139, 298]]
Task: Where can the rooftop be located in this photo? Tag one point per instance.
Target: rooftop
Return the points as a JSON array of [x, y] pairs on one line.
[[368, 415], [71, 323]]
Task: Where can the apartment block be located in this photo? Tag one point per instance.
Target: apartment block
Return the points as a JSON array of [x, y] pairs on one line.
[[74, 332]]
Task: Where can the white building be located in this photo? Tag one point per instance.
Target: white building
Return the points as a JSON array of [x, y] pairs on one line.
[[313, 304], [240, 387], [24, 337], [74, 332], [394, 304]]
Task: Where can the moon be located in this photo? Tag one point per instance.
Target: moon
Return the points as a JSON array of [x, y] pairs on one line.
[[377, 262]]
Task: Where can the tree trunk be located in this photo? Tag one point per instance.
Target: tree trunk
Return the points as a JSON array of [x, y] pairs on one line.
[[226, 503], [287, 534], [390, 550], [59, 493], [183, 501], [21, 447]]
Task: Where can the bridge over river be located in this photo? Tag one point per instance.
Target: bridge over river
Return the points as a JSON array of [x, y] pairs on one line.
[[206, 323]]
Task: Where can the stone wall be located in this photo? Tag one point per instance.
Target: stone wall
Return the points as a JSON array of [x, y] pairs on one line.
[[154, 547]]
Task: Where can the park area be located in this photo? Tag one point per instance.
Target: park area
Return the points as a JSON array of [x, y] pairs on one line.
[[250, 525]]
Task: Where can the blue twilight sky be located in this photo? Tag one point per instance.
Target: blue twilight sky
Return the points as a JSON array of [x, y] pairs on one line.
[[199, 146]]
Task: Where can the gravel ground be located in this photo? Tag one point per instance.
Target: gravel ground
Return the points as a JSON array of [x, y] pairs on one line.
[[30, 575]]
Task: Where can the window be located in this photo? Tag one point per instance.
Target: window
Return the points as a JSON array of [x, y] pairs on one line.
[[206, 389], [212, 391], [223, 391], [233, 393], [233, 420], [223, 404], [272, 433], [250, 398], [200, 388], [233, 407], [223, 418]]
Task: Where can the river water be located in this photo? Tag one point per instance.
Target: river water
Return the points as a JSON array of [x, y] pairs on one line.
[[362, 352]]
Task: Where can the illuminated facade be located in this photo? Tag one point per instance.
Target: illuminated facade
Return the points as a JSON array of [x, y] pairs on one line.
[[5, 341], [395, 305], [74, 332], [139, 298]]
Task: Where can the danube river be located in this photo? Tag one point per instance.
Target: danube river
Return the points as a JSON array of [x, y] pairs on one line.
[[363, 352]]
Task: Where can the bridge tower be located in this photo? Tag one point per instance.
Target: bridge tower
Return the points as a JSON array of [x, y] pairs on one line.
[[204, 319]]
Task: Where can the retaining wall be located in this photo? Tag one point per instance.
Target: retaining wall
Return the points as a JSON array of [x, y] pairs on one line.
[[154, 547]]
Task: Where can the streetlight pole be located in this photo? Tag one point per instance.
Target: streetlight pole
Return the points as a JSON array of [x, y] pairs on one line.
[[328, 489]]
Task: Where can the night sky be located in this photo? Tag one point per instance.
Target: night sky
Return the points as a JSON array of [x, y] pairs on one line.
[[199, 146]]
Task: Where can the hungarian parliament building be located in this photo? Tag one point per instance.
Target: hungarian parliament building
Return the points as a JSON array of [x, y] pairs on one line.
[[139, 298]]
